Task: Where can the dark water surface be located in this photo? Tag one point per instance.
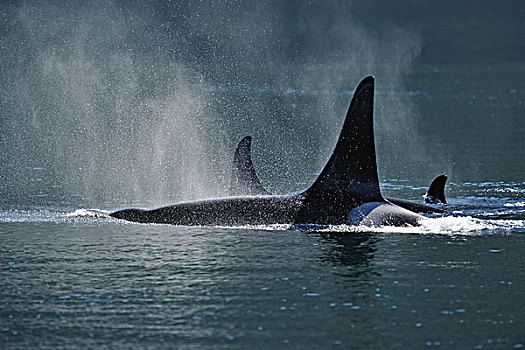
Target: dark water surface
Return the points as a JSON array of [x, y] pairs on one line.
[[73, 279]]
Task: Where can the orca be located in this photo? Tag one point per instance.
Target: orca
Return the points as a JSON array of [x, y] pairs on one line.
[[245, 182], [346, 191], [436, 191]]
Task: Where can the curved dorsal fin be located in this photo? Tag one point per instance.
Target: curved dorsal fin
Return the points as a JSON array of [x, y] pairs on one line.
[[436, 191], [351, 172], [244, 180]]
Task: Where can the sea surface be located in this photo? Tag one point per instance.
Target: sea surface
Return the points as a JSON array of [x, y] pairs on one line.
[[76, 278]]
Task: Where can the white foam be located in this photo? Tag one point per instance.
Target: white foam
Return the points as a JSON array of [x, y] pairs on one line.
[[449, 225], [89, 213], [272, 227], [47, 215], [517, 204]]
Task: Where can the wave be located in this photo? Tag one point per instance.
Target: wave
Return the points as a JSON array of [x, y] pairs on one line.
[[517, 204], [52, 216], [448, 225]]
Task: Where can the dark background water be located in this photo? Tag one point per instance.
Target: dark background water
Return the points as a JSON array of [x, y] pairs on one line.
[[108, 104]]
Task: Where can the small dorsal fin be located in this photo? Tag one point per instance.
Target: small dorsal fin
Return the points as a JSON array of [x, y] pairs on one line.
[[436, 191], [244, 180], [351, 171]]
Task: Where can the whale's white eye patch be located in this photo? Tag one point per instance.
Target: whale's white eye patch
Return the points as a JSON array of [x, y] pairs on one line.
[[360, 213], [375, 214]]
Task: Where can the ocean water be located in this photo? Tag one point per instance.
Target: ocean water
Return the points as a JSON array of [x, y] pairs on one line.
[[76, 278]]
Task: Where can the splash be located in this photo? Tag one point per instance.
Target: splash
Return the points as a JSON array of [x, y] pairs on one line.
[[116, 103], [513, 205], [449, 225], [94, 213], [101, 101], [79, 216]]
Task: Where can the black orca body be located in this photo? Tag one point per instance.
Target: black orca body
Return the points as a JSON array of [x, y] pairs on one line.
[[346, 192], [245, 182], [417, 207], [436, 191]]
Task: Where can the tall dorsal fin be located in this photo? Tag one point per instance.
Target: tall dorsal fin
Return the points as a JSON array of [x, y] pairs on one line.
[[436, 191], [244, 181], [351, 172]]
